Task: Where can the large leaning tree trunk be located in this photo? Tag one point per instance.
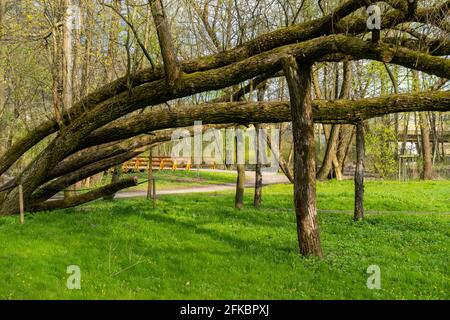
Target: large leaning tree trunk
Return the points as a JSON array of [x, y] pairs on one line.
[[310, 41], [86, 197], [299, 82], [73, 168], [301, 33], [157, 92]]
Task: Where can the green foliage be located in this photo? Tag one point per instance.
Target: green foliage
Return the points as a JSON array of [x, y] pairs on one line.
[[381, 150], [199, 247]]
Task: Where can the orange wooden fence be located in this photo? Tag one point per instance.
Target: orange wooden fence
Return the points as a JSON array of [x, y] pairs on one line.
[[140, 164]]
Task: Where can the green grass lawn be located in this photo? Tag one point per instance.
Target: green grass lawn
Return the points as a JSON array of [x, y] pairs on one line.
[[199, 247]]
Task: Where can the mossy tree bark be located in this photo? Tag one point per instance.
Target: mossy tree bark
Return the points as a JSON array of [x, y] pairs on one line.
[[340, 111], [299, 82], [266, 43], [75, 133], [86, 197]]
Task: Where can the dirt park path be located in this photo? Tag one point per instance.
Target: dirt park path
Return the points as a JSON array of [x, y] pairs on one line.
[[268, 179]]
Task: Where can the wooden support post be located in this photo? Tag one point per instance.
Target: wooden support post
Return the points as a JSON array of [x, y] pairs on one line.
[[154, 193], [21, 205], [359, 173], [150, 174], [240, 167], [258, 172]]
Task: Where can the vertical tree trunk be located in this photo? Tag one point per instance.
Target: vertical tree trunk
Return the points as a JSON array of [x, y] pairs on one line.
[[359, 173], [240, 187], [2, 75], [330, 153], [345, 140], [258, 174], [113, 44], [434, 134], [67, 71], [165, 42], [57, 86], [113, 48], [240, 183], [299, 82], [337, 143], [427, 173], [405, 133], [150, 174], [67, 57]]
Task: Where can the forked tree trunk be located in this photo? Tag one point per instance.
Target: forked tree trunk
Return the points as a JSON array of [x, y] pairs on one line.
[[337, 145], [345, 140], [359, 173], [299, 82], [330, 154], [425, 149]]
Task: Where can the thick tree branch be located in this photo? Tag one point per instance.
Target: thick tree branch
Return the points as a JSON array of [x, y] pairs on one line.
[[333, 111], [86, 197]]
